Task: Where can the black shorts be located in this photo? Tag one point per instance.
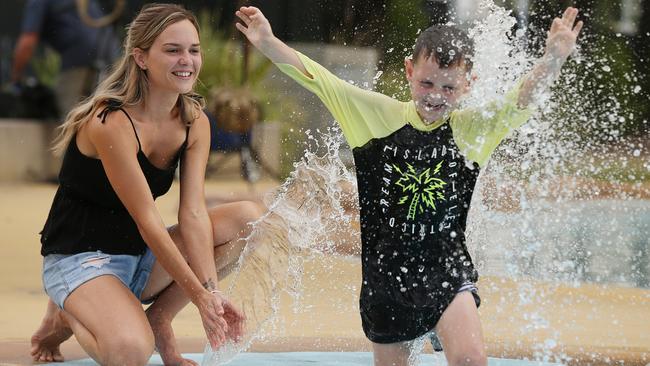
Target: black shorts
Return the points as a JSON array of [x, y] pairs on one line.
[[385, 320]]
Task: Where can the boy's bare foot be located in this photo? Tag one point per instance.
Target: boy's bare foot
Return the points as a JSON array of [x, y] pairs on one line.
[[166, 342], [53, 331]]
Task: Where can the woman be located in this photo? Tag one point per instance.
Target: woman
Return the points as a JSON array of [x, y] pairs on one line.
[[104, 244]]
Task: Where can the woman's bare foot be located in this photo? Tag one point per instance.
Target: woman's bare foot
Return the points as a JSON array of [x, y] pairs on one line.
[[53, 331], [166, 342]]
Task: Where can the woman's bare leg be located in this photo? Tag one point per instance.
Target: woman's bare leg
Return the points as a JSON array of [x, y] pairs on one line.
[[107, 321], [230, 224]]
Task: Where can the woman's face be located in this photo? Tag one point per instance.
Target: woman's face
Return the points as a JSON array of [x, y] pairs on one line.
[[174, 60]]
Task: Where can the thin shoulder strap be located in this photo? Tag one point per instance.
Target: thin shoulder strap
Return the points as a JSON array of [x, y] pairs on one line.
[[111, 107]]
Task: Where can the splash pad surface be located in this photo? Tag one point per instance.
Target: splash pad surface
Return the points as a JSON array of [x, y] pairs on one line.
[[320, 358]]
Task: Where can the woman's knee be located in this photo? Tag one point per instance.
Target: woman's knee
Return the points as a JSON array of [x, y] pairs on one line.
[[242, 213], [128, 349], [251, 210]]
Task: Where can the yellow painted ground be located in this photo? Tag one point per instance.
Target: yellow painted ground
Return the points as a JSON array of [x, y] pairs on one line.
[[591, 324]]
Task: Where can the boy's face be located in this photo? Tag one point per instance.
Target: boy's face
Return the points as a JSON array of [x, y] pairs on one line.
[[436, 91]]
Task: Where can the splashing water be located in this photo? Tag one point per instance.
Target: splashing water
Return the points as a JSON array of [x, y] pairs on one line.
[[536, 213], [541, 209], [543, 181], [318, 198], [499, 58]]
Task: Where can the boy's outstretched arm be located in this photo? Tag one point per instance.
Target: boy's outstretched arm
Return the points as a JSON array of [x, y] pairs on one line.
[[258, 31], [560, 43]]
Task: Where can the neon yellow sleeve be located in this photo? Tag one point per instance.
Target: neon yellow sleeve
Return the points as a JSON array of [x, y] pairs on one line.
[[362, 114], [478, 132]]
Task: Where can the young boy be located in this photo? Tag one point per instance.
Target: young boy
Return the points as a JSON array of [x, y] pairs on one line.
[[416, 165]]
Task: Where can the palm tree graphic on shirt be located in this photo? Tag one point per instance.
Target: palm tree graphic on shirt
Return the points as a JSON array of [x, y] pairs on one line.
[[420, 190]]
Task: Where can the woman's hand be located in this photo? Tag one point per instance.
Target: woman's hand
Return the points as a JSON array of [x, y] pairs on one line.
[[211, 309], [221, 319], [235, 320]]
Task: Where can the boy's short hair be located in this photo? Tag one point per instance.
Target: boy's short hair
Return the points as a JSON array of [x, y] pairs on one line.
[[448, 45]]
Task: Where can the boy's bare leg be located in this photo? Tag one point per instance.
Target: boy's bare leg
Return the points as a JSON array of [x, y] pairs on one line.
[[230, 226], [53, 331], [393, 354], [459, 330]]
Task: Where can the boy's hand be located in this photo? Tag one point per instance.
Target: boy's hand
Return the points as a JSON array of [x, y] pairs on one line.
[[257, 28], [560, 43], [561, 39], [258, 31]]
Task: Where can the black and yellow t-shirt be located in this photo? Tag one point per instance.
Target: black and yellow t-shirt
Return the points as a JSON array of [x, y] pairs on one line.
[[415, 183]]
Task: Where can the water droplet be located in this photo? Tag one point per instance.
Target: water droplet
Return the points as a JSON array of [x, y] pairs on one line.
[[550, 343]]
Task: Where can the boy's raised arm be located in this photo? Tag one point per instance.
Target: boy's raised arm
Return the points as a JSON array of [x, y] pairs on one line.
[[361, 114], [258, 31], [560, 43]]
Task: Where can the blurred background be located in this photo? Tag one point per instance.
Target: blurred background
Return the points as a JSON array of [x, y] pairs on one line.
[[361, 40], [561, 220]]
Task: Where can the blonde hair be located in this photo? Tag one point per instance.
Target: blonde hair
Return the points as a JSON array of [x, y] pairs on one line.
[[127, 84]]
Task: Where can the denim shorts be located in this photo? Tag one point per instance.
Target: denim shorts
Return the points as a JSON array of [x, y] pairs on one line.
[[63, 273]]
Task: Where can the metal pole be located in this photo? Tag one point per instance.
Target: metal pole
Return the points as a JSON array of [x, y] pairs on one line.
[[523, 8], [245, 50]]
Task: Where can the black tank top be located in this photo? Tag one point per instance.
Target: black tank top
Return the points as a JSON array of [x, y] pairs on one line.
[[87, 215]]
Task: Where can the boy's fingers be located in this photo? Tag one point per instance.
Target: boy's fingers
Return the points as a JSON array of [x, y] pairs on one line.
[[566, 13], [245, 18], [578, 27], [555, 25], [241, 28], [249, 10], [571, 18]]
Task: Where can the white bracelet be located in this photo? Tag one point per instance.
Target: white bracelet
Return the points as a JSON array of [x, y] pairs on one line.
[[215, 291]]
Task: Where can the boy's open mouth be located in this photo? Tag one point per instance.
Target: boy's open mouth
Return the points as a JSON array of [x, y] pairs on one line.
[[433, 107]]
